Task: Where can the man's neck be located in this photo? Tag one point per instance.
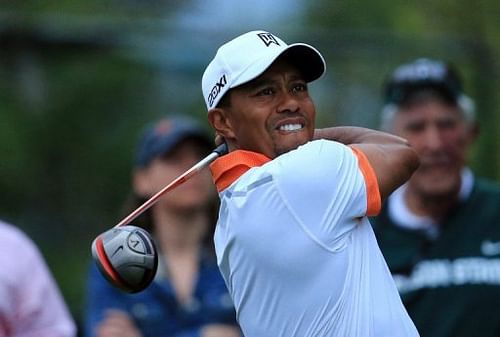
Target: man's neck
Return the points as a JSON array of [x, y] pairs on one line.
[[415, 211], [437, 207], [433, 207]]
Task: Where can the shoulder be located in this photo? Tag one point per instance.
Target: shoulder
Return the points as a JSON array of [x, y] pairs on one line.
[[11, 236], [314, 161], [487, 187], [20, 258], [486, 195], [318, 147], [313, 156]]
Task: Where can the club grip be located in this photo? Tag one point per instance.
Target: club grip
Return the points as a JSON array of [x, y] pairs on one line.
[[221, 149]]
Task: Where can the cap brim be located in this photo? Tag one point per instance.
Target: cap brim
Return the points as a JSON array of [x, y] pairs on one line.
[[167, 145], [150, 149], [306, 58], [400, 93]]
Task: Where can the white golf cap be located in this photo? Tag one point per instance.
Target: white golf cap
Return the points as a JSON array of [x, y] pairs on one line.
[[248, 56]]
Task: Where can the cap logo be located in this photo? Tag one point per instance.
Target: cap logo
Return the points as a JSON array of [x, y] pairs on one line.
[[424, 71], [216, 90], [268, 39], [163, 127]]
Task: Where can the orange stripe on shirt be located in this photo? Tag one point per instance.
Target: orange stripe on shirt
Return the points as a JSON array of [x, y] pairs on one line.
[[228, 168], [374, 201]]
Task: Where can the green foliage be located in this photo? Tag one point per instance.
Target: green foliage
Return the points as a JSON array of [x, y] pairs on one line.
[[68, 150], [113, 9], [365, 40]]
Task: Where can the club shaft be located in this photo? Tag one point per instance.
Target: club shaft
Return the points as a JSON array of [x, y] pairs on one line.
[[222, 149]]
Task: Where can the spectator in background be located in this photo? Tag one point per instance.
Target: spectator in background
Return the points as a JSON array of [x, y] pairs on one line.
[[30, 302], [440, 232], [188, 296]]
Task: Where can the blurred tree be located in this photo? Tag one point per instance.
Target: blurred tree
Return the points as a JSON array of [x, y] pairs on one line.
[[113, 9], [65, 146], [72, 102]]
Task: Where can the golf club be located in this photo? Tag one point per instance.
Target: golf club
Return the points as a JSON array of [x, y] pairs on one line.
[[126, 255]]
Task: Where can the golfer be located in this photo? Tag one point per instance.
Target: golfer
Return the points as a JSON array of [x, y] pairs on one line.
[[293, 241]]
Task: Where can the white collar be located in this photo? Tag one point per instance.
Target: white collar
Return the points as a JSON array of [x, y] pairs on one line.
[[401, 215]]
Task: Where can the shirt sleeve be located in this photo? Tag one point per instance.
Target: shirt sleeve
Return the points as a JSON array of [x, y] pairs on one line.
[[324, 184], [374, 200]]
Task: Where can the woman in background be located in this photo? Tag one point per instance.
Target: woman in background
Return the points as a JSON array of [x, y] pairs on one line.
[[188, 297]]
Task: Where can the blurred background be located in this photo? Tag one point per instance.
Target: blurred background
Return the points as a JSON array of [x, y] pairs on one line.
[[78, 80]]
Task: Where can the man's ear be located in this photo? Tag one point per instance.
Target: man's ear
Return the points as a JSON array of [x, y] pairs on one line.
[[219, 120]]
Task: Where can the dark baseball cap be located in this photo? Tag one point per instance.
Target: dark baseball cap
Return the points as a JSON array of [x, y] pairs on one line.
[[162, 136], [421, 74]]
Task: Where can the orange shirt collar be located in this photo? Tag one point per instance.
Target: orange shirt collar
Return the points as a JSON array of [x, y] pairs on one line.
[[228, 168]]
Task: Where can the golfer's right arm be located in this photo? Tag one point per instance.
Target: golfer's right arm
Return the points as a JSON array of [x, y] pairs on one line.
[[390, 156]]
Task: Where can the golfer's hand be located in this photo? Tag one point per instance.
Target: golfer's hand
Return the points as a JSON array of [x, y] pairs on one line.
[[218, 139], [117, 323], [220, 330]]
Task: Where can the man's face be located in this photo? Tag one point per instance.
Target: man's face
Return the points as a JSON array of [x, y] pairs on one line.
[[273, 113], [440, 135]]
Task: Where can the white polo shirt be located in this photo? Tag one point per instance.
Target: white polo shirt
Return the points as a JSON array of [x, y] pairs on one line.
[[296, 249]]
